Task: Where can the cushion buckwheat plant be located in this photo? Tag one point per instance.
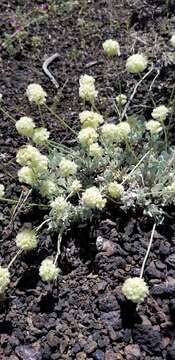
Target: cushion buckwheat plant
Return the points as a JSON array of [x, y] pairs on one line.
[[125, 159]]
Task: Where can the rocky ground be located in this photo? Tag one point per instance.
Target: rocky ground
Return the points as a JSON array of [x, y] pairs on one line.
[[84, 315]]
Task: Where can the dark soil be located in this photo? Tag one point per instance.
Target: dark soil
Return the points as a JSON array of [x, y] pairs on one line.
[[84, 315]]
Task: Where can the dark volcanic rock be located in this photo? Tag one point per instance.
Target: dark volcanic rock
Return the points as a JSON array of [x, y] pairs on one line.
[[149, 339]]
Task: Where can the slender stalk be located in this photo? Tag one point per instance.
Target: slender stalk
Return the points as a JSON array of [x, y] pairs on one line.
[[41, 225], [8, 115], [19, 252], [147, 90], [136, 166], [13, 201], [134, 92], [166, 136], [58, 244], [41, 116], [60, 120], [148, 250]]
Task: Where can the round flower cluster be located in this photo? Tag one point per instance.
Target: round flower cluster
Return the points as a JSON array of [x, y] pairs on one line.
[[87, 136], [36, 94], [40, 136], [47, 187], [153, 126], [59, 207], [135, 289], [170, 188], [76, 186], [4, 279], [111, 47], [67, 167], [92, 198], [26, 240], [87, 88], [48, 270], [172, 40], [90, 119], [26, 175], [136, 63], [160, 113], [109, 132], [2, 190], [123, 130], [95, 150], [31, 156], [121, 99], [25, 126], [115, 190]]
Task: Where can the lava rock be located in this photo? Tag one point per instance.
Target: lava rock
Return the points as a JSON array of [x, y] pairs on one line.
[[98, 355], [112, 318], [171, 352], [27, 353], [148, 339], [132, 352], [165, 290], [90, 347], [108, 302], [52, 339]]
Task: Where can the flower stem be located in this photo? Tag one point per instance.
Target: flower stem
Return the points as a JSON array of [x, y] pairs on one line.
[[61, 120], [8, 115], [41, 225], [41, 116], [136, 166], [19, 252], [148, 250], [166, 136], [58, 244]]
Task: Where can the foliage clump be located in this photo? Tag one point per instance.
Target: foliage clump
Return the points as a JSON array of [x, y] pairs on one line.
[[128, 161]]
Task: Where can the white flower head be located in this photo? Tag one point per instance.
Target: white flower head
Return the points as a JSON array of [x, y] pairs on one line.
[[123, 130], [4, 279], [31, 156], [48, 270], [87, 90], [27, 154], [172, 40], [76, 186], [90, 119], [153, 126], [170, 189], [40, 165], [26, 175], [160, 113], [60, 207], [111, 47], [92, 198], [67, 167], [109, 133], [2, 190], [115, 190], [40, 136], [36, 94], [25, 126], [135, 289], [121, 99], [87, 136], [95, 150], [47, 187], [26, 240], [136, 63]]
